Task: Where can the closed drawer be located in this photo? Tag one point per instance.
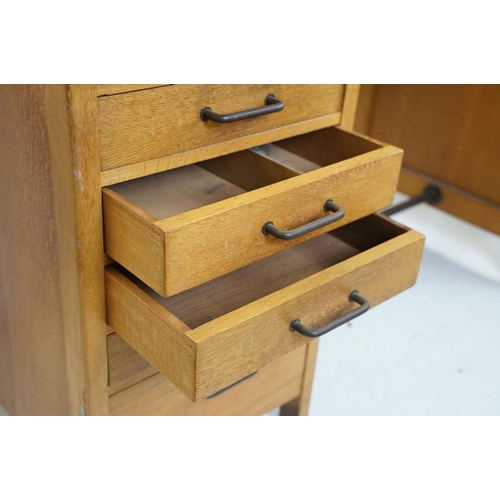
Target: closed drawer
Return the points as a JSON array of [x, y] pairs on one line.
[[271, 387], [184, 227], [142, 126], [209, 337]]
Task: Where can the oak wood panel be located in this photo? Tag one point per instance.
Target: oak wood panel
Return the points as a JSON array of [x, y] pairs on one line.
[[41, 365], [331, 145], [300, 406], [133, 239], [139, 319], [115, 88], [65, 211], [254, 171], [207, 242], [239, 341], [350, 104], [126, 366], [177, 191], [270, 387], [128, 172], [364, 109], [90, 247], [455, 201], [141, 126], [230, 345], [448, 132]]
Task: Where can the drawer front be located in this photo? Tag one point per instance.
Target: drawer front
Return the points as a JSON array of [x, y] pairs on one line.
[[208, 338], [141, 126], [224, 229], [271, 387]]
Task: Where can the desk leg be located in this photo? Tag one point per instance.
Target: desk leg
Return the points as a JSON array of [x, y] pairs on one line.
[[300, 406]]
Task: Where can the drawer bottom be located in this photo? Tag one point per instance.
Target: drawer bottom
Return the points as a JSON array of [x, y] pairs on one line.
[[272, 386]]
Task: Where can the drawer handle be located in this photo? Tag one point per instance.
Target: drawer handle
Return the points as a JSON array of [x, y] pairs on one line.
[[329, 206], [297, 326], [271, 105]]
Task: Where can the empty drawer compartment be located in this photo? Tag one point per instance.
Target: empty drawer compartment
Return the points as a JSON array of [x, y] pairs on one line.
[[184, 227]]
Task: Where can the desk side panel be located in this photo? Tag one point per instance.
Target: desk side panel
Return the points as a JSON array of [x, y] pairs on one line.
[[41, 369]]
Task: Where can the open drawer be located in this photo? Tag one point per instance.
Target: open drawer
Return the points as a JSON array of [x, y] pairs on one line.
[[184, 227], [209, 337]]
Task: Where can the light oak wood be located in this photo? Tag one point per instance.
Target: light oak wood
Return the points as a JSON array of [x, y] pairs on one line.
[[131, 234], [270, 387], [364, 109], [89, 241], [299, 406], [246, 171], [164, 329], [209, 337], [350, 104], [110, 89], [448, 132], [126, 366], [455, 201], [208, 241], [41, 363], [141, 126], [128, 172], [58, 356]]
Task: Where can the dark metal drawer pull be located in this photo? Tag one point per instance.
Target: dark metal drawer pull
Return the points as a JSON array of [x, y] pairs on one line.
[[271, 105], [338, 213], [232, 385], [297, 326]]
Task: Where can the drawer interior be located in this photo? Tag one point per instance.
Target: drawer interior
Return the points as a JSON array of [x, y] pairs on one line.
[[220, 296], [308, 152], [184, 189]]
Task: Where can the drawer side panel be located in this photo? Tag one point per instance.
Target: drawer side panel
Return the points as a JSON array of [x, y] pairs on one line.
[[151, 330]]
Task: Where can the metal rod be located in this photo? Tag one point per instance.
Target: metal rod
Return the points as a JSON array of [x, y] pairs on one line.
[[431, 194]]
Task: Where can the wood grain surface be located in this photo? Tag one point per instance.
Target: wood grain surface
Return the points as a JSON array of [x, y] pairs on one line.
[[270, 387], [136, 170], [121, 88], [221, 350], [57, 354], [206, 242], [90, 245], [448, 132], [41, 362], [141, 126], [299, 407], [350, 104], [132, 238], [126, 366], [167, 344]]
